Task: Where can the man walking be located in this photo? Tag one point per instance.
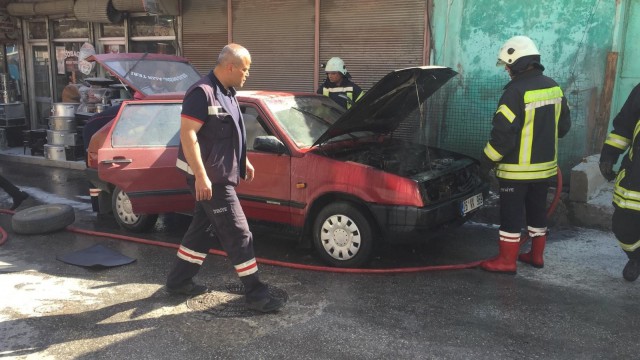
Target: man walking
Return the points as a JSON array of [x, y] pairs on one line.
[[213, 156]]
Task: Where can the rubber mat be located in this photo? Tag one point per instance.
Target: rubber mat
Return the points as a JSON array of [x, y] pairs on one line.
[[95, 256]]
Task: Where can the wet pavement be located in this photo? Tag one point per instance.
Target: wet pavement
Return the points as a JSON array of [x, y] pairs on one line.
[[576, 307]]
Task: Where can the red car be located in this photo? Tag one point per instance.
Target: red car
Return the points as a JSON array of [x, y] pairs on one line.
[[338, 178]]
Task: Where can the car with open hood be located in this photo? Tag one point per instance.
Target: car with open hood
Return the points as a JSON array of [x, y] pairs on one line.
[[338, 178]]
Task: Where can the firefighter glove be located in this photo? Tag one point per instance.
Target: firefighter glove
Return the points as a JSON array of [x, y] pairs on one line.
[[606, 168]]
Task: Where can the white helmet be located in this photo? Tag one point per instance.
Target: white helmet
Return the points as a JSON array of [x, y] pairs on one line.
[[514, 49], [335, 64]]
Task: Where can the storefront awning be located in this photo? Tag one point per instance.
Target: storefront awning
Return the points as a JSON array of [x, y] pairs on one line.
[[101, 11]]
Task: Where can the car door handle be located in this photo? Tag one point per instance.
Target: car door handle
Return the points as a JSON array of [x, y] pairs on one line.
[[117, 160]]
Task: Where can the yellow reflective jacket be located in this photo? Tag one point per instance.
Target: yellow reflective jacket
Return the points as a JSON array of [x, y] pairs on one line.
[[625, 137], [531, 116]]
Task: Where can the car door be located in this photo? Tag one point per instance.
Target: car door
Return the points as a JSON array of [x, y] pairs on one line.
[[268, 196], [140, 157]]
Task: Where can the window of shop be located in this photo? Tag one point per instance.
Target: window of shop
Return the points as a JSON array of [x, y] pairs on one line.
[[153, 34], [68, 37], [37, 30], [10, 85], [112, 38]]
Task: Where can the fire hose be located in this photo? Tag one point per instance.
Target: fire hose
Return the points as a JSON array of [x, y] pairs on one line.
[[523, 240]]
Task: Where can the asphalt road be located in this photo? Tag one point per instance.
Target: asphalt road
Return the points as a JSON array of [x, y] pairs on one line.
[[577, 307]]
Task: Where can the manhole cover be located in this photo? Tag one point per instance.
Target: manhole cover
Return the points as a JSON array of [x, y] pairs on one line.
[[228, 301]]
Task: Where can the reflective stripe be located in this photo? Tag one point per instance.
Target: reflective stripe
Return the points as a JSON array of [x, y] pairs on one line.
[[543, 95], [509, 237], [526, 138], [537, 104], [247, 267], [624, 198], [533, 232], [492, 153], [618, 141], [530, 175], [506, 112], [216, 110], [339, 89], [531, 167], [184, 166], [191, 256], [629, 247], [635, 136]]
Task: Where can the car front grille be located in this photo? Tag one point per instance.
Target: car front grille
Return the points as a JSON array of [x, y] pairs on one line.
[[450, 185]]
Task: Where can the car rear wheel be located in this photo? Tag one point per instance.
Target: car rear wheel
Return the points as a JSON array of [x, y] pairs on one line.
[[342, 235], [126, 218]]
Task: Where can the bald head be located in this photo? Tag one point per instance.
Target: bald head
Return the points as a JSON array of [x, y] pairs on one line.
[[233, 54], [232, 66]]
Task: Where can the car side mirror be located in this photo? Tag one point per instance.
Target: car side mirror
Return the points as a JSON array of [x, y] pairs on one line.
[[270, 144]]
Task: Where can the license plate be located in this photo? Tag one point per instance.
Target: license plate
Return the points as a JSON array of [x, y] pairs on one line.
[[471, 204]]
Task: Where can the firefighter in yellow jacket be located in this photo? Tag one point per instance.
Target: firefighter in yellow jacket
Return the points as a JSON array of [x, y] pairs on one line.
[[625, 137], [531, 116]]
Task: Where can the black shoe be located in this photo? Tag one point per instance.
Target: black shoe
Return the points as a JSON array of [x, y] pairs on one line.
[[19, 199], [265, 305], [631, 270], [190, 289]]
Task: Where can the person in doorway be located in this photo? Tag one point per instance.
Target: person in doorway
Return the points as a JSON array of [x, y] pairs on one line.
[[338, 85], [212, 154], [71, 92], [532, 114], [625, 223], [13, 191]]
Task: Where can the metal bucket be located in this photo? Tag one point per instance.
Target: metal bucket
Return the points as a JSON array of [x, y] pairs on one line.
[[62, 123], [62, 137], [54, 152], [64, 109]]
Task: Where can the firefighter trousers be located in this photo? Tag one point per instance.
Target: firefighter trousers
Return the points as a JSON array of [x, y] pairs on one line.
[[224, 215], [520, 201], [625, 224]]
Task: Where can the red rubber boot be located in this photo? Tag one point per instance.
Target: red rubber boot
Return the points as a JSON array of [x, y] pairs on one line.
[[534, 256], [506, 261]]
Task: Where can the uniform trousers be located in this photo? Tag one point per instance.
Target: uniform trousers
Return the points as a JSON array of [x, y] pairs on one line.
[[520, 201], [224, 214], [625, 224]]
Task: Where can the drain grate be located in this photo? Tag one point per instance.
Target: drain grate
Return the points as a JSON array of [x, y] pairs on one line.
[[228, 301]]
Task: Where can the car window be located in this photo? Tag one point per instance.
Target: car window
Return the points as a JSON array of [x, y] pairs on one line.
[[305, 118], [253, 125], [148, 124]]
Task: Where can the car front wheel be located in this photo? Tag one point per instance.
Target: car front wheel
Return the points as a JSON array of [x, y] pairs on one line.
[[126, 218], [342, 235]]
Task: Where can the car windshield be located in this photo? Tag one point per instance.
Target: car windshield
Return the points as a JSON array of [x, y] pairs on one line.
[[155, 76], [305, 118]]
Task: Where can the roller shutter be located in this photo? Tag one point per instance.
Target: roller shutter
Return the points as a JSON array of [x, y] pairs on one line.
[[279, 34], [373, 37], [204, 32]]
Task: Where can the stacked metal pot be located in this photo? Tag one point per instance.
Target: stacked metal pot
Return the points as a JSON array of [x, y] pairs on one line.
[[62, 134]]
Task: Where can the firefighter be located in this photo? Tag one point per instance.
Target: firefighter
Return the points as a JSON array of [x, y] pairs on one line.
[[338, 85], [532, 114], [625, 137]]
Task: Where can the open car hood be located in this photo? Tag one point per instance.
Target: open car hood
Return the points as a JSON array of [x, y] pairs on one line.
[[389, 101], [150, 74]]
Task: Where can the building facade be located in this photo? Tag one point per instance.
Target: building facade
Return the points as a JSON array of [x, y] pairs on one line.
[[584, 45]]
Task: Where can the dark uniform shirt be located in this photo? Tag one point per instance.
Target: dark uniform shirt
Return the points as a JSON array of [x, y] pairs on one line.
[[222, 135]]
